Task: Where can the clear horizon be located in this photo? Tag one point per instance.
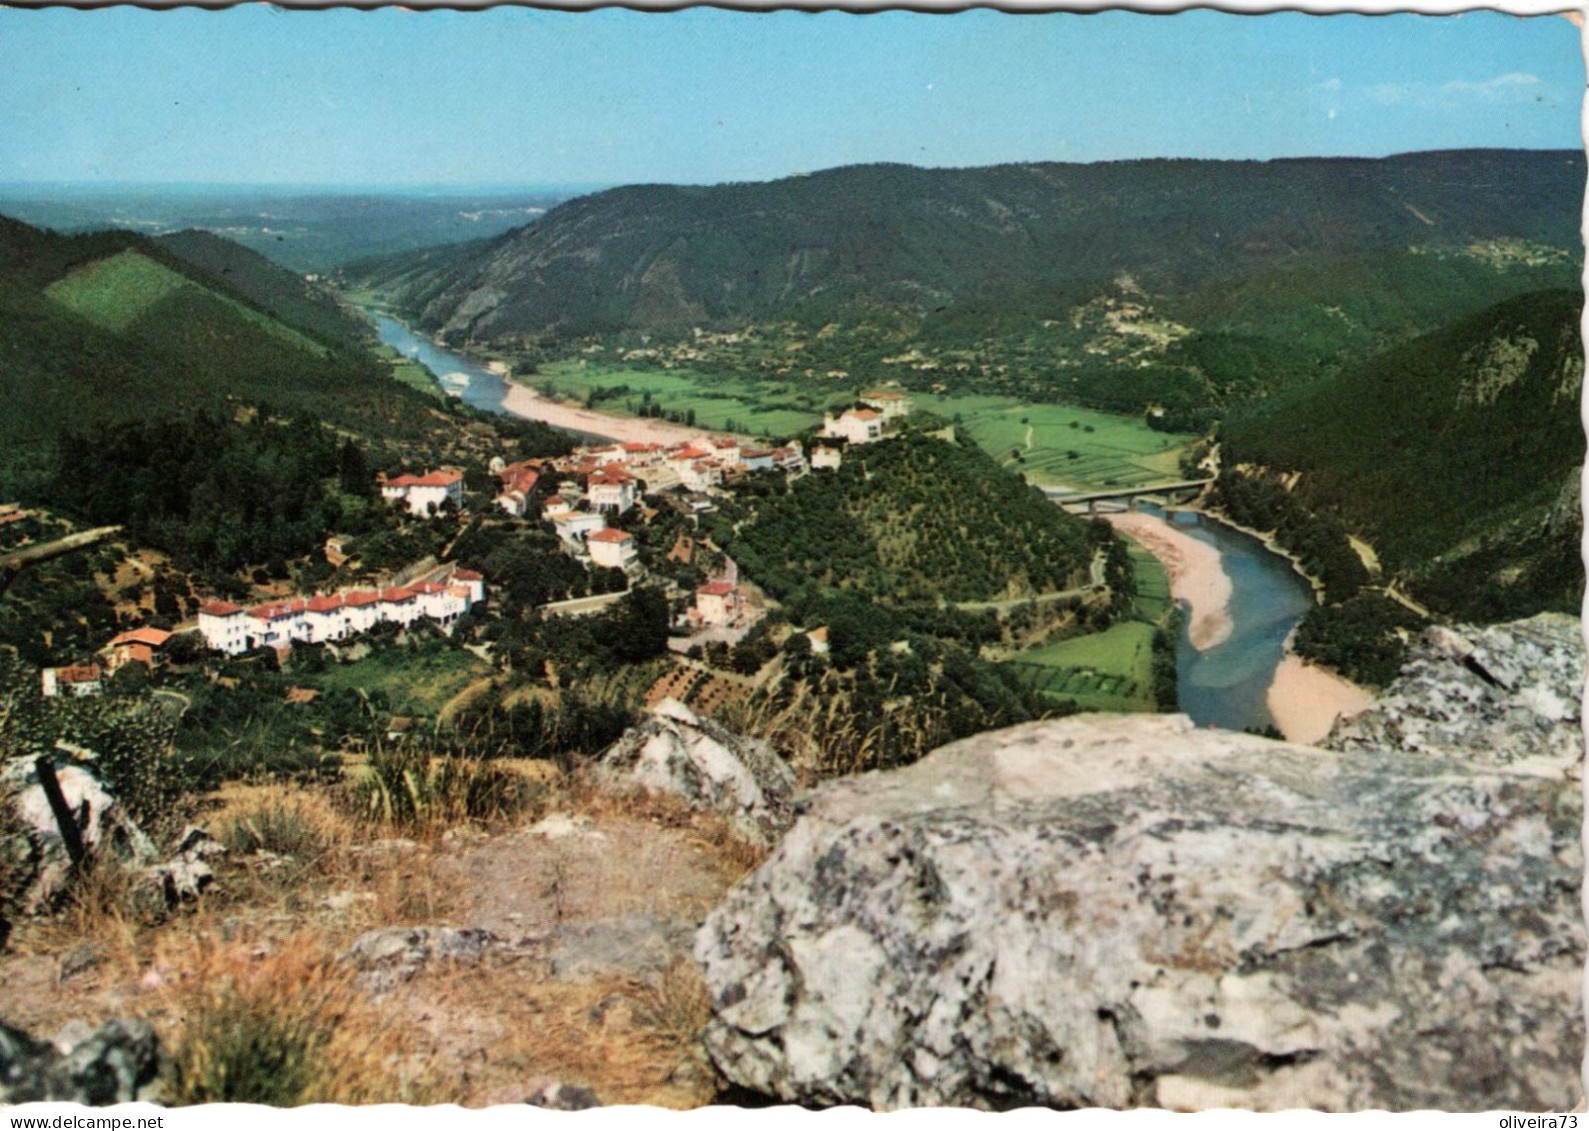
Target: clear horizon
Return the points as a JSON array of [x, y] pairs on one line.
[[343, 101]]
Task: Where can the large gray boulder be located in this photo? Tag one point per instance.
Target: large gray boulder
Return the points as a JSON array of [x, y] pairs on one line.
[[677, 752], [1125, 910]]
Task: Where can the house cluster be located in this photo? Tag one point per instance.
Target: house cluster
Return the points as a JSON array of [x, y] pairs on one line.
[[424, 494], [326, 618]]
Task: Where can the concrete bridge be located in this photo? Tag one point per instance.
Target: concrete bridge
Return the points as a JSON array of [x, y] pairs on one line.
[[1179, 490]]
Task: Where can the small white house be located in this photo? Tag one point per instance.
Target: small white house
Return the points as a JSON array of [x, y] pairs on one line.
[[717, 603], [825, 457], [612, 549]]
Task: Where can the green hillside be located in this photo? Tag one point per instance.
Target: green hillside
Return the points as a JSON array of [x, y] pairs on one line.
[[909, 521], [275, 290], [105, 328], [1455, 455]]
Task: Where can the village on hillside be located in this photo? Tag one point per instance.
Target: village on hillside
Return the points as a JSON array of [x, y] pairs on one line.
[[594, 499]]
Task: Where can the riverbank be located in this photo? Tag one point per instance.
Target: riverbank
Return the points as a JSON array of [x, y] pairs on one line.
[[1197, 576], [530, 405], [1272, 544], [1306, 699]]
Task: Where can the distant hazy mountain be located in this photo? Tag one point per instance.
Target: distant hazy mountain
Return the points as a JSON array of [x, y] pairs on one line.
[[306, 229], [925, 243]]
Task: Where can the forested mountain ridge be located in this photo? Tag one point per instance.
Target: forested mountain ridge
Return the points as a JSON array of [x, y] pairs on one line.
[[893, 239], [1456, 455]]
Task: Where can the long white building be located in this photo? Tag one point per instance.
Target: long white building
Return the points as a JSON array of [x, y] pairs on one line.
[[330, 617]]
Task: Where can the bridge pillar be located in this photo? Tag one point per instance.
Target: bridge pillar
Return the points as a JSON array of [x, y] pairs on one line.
[[1131, 503], [1092, 505]]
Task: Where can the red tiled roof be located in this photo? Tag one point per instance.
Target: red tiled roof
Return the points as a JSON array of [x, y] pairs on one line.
[[609, 535], [429, 587], [396, 596], [610, 477], [467, 575], [275, 610], [325, 604], [634, 446], [755, 453], [361, 597], [863, 413], [78, 673], [220, 609], [442, 478], [153, 637], [715, 589], [692, 453]]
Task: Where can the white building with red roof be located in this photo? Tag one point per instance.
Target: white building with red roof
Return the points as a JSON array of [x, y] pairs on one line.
[[425, 494], [857, 425], [224, 627], [716, 603], [399, 605], [611, 489], [825, 457], [278, 624], [72, 680], [612, 549], [327, 618], [573, 527], [362, 607], [889, 403], [474, 583]]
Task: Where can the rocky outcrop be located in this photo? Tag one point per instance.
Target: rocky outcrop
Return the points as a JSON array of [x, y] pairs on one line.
[[38, 865], [115, 1064], [1508, 694], [677, 752], [1125, 910]]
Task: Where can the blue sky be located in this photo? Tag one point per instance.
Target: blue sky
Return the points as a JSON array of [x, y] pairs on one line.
[[516, 96]]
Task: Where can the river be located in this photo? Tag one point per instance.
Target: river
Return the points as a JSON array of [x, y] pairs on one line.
[[1226, 685]]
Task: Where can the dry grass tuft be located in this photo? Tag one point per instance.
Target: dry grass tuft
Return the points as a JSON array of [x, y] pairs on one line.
[[281, 1025], [407, 788]]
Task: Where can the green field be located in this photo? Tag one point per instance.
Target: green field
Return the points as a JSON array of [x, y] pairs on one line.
[[1108, 450], [757, 408], [1106, 671], [1110, 670], [410, 372], [415, 682], [114, 293]]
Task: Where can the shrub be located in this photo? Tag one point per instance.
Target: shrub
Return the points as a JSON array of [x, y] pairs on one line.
[[406, 787], [281, 1030]]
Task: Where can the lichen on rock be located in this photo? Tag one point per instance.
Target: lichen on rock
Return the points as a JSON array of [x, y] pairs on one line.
[[1126, 910]]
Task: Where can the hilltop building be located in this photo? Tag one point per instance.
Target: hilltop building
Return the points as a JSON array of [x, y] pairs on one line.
[[857, 425], [425, 494], [888, 403]]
